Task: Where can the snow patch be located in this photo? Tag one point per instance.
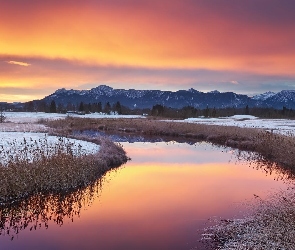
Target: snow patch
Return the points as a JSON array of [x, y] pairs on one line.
[[238, 117], [16, 142], [280, 126], [33, 117]]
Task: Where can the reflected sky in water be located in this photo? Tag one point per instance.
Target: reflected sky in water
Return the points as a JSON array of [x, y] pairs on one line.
[[161, 199]]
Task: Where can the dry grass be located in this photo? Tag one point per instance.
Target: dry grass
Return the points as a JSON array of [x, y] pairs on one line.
[[59, 171], [274, 147], [271, 225]]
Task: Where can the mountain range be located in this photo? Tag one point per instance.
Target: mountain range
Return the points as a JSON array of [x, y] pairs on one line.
[[147, 98]]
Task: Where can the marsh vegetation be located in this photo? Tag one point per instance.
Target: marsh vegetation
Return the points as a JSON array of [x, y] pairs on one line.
[[40, 167]]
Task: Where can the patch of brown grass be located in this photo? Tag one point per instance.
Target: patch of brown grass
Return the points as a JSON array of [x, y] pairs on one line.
[[61, 171]]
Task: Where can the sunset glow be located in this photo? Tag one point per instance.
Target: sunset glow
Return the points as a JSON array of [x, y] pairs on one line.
[[166, 45]]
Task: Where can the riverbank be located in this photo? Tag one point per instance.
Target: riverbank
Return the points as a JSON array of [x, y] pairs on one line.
[[270, 225], [274, 147], [41, 166]]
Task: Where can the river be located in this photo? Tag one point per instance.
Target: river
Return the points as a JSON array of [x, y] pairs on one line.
[[161, 199]]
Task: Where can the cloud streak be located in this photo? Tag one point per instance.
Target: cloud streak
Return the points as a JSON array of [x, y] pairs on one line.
[[19, 63]]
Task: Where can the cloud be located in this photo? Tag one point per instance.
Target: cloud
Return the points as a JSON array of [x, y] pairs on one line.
[[244, 35], [45, 75], [19, 63]]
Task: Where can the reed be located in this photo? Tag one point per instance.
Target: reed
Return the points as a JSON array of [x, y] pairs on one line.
[[53, 168]]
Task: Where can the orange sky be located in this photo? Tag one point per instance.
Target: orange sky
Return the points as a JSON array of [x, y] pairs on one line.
[[242, 46]]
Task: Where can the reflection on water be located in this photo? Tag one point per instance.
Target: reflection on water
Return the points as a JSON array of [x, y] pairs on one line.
[[37, 211], [132, 138], [162, 199], [253, 159], [259, 162]]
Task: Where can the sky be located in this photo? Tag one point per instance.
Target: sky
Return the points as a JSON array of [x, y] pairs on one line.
[[228, 45]]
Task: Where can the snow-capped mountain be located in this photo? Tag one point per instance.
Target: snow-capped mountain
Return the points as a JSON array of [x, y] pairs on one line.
[[263, 96], [284, 98], [147, 98]]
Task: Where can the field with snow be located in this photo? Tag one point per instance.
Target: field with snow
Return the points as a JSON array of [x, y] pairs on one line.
[[281, 126], [27, 121], [22, 126], [33, 117]]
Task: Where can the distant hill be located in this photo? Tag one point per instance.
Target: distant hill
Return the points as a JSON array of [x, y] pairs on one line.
[[147, 98]]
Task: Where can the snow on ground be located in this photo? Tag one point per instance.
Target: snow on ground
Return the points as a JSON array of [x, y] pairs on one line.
[[281, 126], [33, 117], [27, 121], [22, 127], [13, 143], [238, 117]]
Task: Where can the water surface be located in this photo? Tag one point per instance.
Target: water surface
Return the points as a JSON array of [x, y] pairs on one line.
[[161, 199]]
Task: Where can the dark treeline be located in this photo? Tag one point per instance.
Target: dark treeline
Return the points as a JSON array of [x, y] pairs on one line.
[[157, 110], [187, 112], [86, 108], [52, 107]]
